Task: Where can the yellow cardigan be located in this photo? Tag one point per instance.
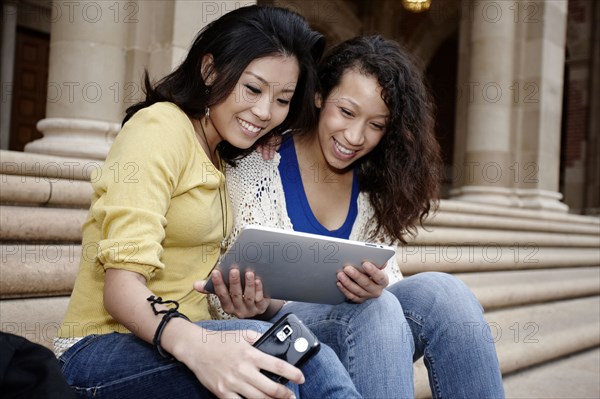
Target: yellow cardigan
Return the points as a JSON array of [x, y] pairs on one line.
[[156, 210]]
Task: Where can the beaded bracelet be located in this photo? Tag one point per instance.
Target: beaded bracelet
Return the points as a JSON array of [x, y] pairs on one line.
[[168, 315]]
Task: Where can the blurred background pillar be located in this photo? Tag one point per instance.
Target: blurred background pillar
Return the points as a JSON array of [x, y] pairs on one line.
[[509, 104], [538, 102], [484, 108], [85, 78]]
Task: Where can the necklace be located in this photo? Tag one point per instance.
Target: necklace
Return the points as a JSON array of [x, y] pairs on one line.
[[222, 198]]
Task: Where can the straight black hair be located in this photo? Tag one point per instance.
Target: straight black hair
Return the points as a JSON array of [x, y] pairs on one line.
[[234, 41]]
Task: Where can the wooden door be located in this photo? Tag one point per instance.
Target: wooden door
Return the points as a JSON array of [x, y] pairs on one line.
[[30, 87]]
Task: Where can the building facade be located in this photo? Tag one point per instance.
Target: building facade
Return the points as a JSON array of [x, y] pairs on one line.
[[516, 84], [514, 81]]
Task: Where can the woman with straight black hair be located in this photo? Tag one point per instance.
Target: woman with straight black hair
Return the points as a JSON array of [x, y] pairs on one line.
[[135, 327]]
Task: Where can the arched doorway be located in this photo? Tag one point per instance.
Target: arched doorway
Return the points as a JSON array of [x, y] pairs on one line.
[[441, 74]]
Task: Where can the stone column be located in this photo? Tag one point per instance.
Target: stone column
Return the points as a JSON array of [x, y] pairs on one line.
[[86, 78], [538, 98], [484, 111], [509, 107]]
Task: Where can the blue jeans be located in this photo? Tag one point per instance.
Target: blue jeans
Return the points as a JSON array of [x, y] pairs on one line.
[[437, 317], [123, 366], [372, 340], [450, 332]]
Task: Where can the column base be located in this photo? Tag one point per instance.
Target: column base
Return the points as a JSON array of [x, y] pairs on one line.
[[78, 138], [515, 198], [541, 199]]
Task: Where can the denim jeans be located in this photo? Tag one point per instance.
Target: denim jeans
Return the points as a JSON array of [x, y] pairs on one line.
[[437, 317], [123, 366], [369, 341], [450, 332]]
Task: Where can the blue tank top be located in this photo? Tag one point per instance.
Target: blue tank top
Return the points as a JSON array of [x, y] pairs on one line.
[[297, 204]]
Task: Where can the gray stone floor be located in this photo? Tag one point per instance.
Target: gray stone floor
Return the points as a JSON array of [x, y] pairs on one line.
[[573, 377]]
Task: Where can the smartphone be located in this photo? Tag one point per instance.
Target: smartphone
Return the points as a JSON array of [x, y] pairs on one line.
[[288, 339]]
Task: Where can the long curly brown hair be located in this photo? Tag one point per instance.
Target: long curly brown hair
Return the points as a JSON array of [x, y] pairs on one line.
[[402, 174]]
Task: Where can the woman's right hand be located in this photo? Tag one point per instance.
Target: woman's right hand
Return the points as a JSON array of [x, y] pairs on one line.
[[227, 364], [243, 304]]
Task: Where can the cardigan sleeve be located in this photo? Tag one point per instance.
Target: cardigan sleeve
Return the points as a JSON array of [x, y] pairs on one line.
[[135, 185]]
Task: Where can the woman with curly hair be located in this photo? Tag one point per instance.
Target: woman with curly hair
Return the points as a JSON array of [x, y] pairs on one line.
[[368, 171]]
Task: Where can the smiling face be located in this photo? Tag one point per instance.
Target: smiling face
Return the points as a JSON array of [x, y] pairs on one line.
[[259, 102], [353, 120]]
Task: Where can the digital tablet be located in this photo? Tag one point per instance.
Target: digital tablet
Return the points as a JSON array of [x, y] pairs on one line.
[[297, 266]]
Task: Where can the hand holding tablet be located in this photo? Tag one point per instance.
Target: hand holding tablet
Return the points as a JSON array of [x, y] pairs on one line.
[[297, 266]]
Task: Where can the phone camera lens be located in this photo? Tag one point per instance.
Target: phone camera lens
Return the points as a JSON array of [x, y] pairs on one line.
[[284, 333]]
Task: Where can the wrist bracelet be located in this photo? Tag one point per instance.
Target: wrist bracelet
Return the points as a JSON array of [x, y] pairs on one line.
[[171, 314], [168, 315]]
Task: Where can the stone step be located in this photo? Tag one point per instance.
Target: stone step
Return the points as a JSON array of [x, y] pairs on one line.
[[575, 376], [512, 222], [36, 319], [490, 257], [451, 212], [45, 191], [523, 214], [481, 236], [512, 288], [534, 334], [30, 224], [29, 270], [50, 166]]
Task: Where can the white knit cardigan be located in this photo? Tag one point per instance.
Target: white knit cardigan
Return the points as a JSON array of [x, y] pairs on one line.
[[257, 197]]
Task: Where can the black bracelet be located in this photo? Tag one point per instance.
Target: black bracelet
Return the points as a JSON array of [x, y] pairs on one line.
[[168, 315]]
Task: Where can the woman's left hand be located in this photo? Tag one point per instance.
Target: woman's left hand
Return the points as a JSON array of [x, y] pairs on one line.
[[243, 304], [358, 286], [268, 149]]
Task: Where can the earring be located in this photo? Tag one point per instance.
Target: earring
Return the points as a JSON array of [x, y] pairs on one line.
[[206, 108]]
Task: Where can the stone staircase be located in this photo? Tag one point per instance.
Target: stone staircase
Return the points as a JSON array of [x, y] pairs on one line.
[[43, 203], [538, 277], [536, 273]]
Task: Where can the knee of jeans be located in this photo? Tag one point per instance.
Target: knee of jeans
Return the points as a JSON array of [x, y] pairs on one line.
[[450, 292], [387, 303], [384, 307]]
